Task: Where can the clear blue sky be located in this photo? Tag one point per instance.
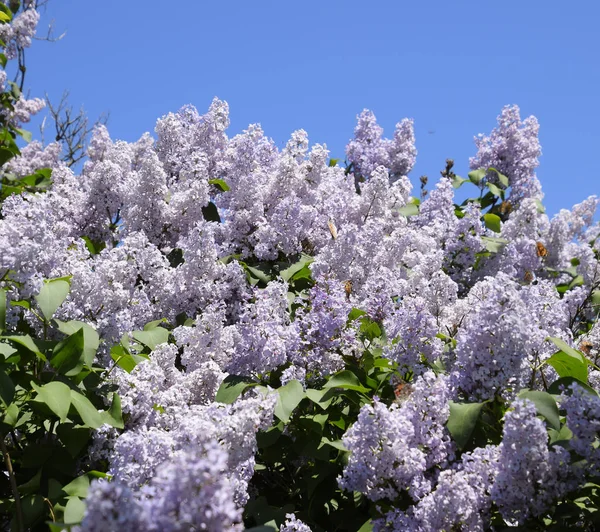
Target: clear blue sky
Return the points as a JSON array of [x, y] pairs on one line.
[[315, 65]]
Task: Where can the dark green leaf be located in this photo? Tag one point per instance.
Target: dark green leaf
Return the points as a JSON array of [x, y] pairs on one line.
[[211, 213], [33, 508], [546, 406], [7, 389], [68, 355], [319, 397], [564, 383], [91, 340], [369, 328], [346, 380], [462, 421]]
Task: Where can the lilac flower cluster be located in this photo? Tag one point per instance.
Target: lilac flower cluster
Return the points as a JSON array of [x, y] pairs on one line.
[[368, 149], [189, 492], [583, 418], [393, 448]]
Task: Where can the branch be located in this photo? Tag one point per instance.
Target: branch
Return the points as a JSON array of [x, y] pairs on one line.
[[13, 485]]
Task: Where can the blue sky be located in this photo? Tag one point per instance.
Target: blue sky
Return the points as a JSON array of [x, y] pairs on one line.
[[315, 65]]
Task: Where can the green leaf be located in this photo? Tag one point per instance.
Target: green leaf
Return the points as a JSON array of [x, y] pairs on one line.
[[74, 438], [78, 487], [33, 508], [114, 415], [566, 348], [458, 181], [318, 397], [154, 324], [567, 365], [68, 355], [21, 303], [24, 133], [3, 60], [367, 527], [346, 380], [11, 415], [494, 244], [74, 511], [220, 184], [56, 395], [498, 192], [476, 176], [546, 406], [564, 383], [125, 360], [336, 444], [369, 328], [28, 343], [232, 387], [540, 207], [410, 209], [289, 396], [4, 18], [356, 313], [333, 162], [462, 421], [257, 273], [211, 213], [501, 177], [7, 389], [91, 339], [493, 222], [152, 338], [51, 296], [87, 411], [288, 273]]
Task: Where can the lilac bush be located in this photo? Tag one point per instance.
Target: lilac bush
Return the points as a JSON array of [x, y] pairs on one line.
[[302, 345]]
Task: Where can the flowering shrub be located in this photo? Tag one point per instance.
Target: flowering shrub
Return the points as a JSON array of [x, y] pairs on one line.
[[208, 333]]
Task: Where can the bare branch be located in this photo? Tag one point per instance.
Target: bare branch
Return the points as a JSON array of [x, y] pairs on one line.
[[72, 128]]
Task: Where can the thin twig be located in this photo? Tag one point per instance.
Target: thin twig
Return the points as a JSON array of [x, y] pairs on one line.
[[13, 485]]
